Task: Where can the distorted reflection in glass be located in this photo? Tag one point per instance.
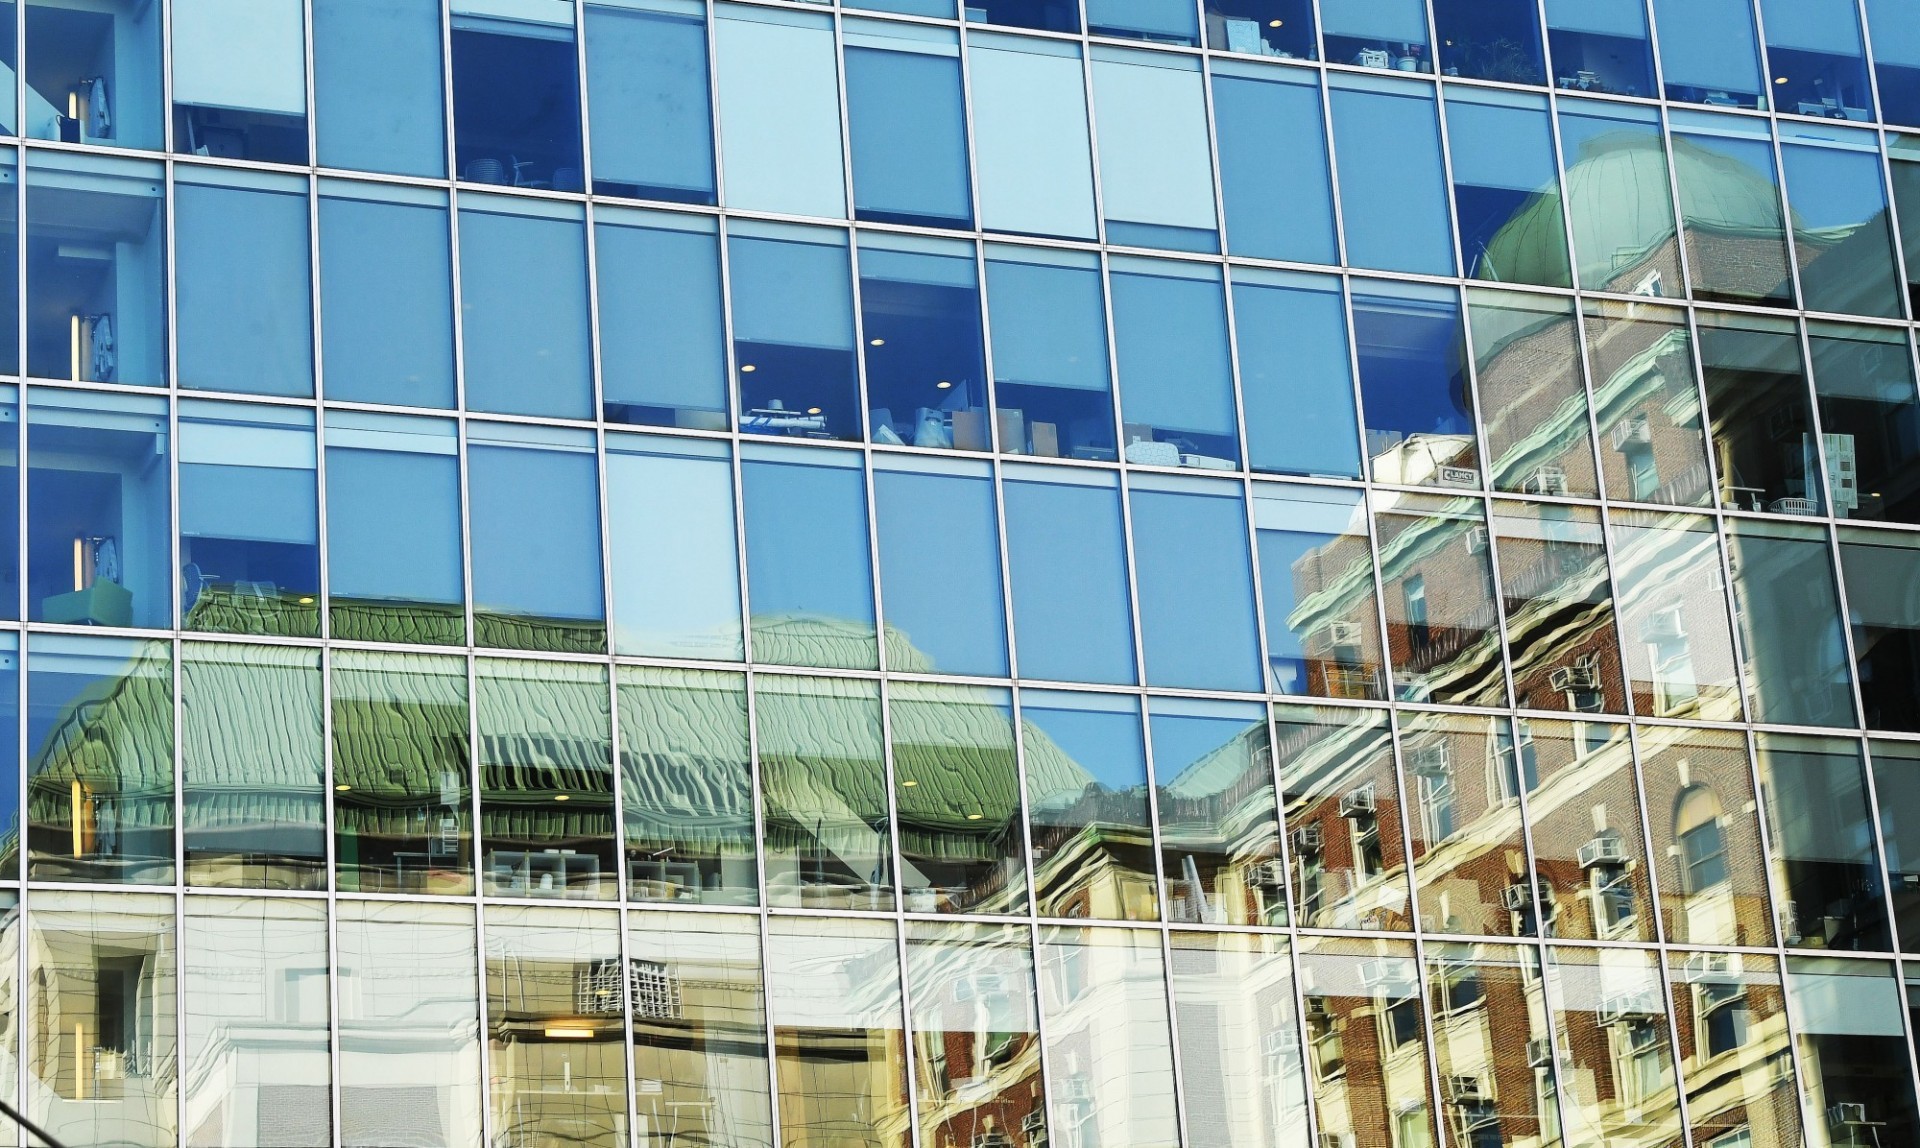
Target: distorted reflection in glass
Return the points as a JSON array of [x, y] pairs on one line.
[[1610, 1021], [824, 788], [1316, 583], [10, 794], [1730, 209], [1558, 603], [1854, 1061], [100, 800], [957, 789], [254, 1029], [1443, 628], [1619, 199], [1589, 854], [249, 520], [687, 785], [976, 1036], [1646, 400], [409, 1024], [1219, 824], [1730, 1013], [1863, 383], [1109, 1052], [1673, 616], [253, 766], [402, 802], [1241, 1059], [556, 1007], [102, 1048], [1088, 806], [1842, 226], [1706, 836], [1826, 875], [699, 1029], [1526, 359], [1367, 1052], [546, 779], [1342, 802], [1490, 1041], [1506, 184], [840, 1047], [1463, 809], [12, 924], [1795, 662]]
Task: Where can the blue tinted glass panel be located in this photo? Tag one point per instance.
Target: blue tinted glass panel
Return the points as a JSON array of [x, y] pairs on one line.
[[1607, 148], [676, 571], [1841, 229], [1176, 377], [1316, 586], [1490, 40], [1730, 209], [1047, 15], [920, 317], [793, 332], [240, 79], [99, 516], [92, 72], [779, 111], [525, 336], [1158, 21], [1067, 564], [663, 349], [393, 529], [1050, 352], [1388, 34], [652, 114], [244, 313], [1708, 52], [1816, 60], [379, 101], [10, 516], [809, 571], [386, 294], [908, 128], [516, 94], [100, 320], [1296, 378], [1506, 190], [1896, 58], [940, 571], [938, 9], [1156, 171], [1281, 28], [1087, 783], [1196, 586], [1273, 149], [1414, 388], [249, 520], [1387, 143], [1600, 46], [535, 517], [1030, 137]]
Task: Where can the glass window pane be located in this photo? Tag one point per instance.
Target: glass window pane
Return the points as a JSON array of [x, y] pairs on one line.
[[408, 967], [1438, 582], [1796, 663], [254, 966], [243, 310], [1490, 40], [555, 1009], [1706, 837], [1233, 1003], [1723, 1003], [1376, 33], [1896, 57], [10, 828], [100, 801], [663, 349], [402, 805], [1526, 359], [249, 523], [1366, 1039], [1759, 414], [1050, 351], [652, 115], [1709, 53], [1610, 1014], [96, 269], [102, 1025], [1342, 802], [1841, 233], [1730, 206], [92, 73], [1176, 372], [840, 1047], [700, 1057], [809, 566], [525, 338], [676, 565], [920, 316], [1646, 398], [378, 101], [393, 529], [1491, 1041], [1851, 1050], [9, 489], [1296, 376], [9, 249], [1673, 616], [1896, 779], [940, 570], [1155, 21], [824, 786], [792, 301], [1589, 856], [1826, 888], [1387, 141], [1815, 58], [976, 1034], [240, 79], [1195, 580], [546, 779], [1316, 583], [253, 817], [1087, 799], [958, 791], [907, 126], [1048, 15], [1600, 46], [535, 515], [1605, 148], [1031, 148], [1282, 28], [1156, 174], [386, 294], [516, 94], [1869, 404], [687, 783], [1066, 559], [1414, 385], [779, 111], [1880, 571], [1506, 187], [1219, 823], [1273, 146], [1558, 605], [1463, 807], [1109, 1053]]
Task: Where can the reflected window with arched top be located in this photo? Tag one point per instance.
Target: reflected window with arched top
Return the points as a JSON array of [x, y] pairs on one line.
[[1696, 826]]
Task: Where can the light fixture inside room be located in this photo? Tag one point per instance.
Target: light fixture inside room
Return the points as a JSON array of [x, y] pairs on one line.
[[975, 816], [343, 787], [567, 1032], [908, 784], [561, 797], [1274, 23], [876, 342], [943, 384], [813, 410], [1779, 79], [746, 368]]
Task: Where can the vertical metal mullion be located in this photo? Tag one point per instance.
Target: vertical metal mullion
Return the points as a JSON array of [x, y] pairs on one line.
[[1041, 1018], [1171, 996], [448, 129], [329, 890], [490, 1133], [322, 590], [762, 914], [1657, 948], [182, 1015], [910, 1057], [1883, 152]]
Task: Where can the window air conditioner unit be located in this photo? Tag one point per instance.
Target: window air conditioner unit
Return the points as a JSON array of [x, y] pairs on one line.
[[1841, 1115], [1317, 1009], [1606, 849], [1517, 897], [1385, 973], [1463, 1089], [1343, 633], [1697, 967], [1546, 480], [1357, 802], [1269, 874], [1619, 1008], [1280, 1045], [1431, 760], [1075, 1090], [979, 986], [1567, 679], [1477, 540], [1034, 1122], [1635, 431], [1309, 838], [992, 1140], [1539, 1052], [1664, 626]]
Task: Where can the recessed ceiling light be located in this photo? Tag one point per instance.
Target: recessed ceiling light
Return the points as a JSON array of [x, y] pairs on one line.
[[342, 787], [561, 797], [876, 342], [813, 410], [943, 384], [1273, 23], [747, 369], [1779, 79]]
